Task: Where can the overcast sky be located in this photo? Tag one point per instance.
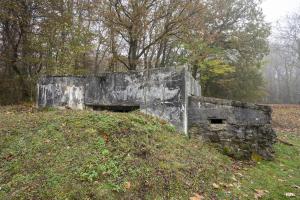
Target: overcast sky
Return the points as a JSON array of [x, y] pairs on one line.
[[276, 9]]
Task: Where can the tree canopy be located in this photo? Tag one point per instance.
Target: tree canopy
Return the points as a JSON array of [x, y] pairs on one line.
[[223, 42]]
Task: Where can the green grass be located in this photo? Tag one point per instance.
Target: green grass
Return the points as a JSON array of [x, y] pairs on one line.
[[87, 155], [278, 177], [56, 154]]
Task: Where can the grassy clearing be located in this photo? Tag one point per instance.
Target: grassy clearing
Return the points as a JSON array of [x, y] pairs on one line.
[[87, 155]]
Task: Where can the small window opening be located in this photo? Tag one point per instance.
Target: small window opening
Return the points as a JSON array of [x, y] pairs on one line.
[[116, 108], [217, 121], [102, 78]]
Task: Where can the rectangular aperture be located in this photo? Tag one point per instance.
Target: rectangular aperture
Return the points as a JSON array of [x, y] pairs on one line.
[[116, 108], [217, 121]]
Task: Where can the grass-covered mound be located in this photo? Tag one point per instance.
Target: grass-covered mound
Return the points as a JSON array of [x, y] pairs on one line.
[[68, 154], [101, 155]]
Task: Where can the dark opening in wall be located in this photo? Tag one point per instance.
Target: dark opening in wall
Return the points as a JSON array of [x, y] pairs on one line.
[[116, 108], [217, 121]]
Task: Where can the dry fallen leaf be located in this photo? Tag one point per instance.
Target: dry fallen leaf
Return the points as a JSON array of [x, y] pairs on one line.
[[127, 185], [96, 182], [216, 186], [260, 193], [226, 185], [47, 141], [105, 137], [234, 179], [241, 175], [196, 197], [222, 184], [289, 194], [296, 186]]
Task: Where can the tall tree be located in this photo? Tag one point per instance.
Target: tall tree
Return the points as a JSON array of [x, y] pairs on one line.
[[234, 36], [139, 25]]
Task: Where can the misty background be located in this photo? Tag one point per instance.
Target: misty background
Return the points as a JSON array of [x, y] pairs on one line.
[[282, 65]]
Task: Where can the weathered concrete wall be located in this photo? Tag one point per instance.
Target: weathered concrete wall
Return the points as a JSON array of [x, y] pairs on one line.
[[193, 87], [61, 92], [157, 92], [240, 129], [160, 92]]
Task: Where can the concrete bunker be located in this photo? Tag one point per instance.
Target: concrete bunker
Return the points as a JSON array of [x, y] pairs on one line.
[[239, 129]]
